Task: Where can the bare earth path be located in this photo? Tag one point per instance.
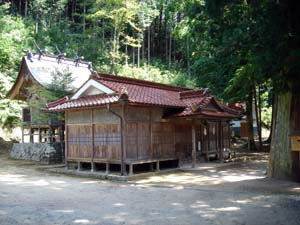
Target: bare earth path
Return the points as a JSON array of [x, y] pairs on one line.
[[239, 194]]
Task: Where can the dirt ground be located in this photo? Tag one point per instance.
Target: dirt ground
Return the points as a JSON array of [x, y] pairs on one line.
[[236, 194]]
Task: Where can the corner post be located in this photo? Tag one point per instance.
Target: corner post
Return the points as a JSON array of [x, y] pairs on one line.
[[194, 155]]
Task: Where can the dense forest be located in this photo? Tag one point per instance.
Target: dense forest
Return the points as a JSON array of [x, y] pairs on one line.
[[243, 50]]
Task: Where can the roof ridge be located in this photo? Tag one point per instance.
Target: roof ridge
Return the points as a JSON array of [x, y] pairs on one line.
[[57, 102], [140, 82], [55, 57], [192, 93], [94, 96]]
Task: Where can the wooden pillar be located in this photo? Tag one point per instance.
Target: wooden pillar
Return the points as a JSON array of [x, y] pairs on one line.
[[92, 167], [124, 139], [130, 169], [46, 139], [79, 166], [22, 132], [93, 142], [31, 132], [221, 140], [40, 136], [157, 166], [66, 145], [194, 155], [107, 168], [151, 134], [208, 142]]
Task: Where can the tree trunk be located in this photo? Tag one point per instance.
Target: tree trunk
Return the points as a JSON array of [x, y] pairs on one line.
[[26, 8], [84, 12], [188, 57], [257, 117], [149, 45], [272, 119], [138, 56], [170, 49], [126, 54], [280, 163], [249, 114]]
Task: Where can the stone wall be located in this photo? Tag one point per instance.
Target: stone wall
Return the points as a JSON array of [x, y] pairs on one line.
[[46, 153]]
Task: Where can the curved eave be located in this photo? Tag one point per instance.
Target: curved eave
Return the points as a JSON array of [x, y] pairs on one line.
[[14, 92]]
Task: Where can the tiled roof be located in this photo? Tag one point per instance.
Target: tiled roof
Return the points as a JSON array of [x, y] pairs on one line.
[[144, 92], [88, 101], [191, 101]]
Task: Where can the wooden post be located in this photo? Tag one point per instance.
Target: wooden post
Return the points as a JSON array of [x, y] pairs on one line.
[[157, 166], [40, 136], [93, 142], [130, 169], [66, 145], [31, 131], [124, 139], [208, 140], [151, 134], [79, 166], [107, 168], [92, 167], [221, 140], [22, 132], [22, 125], [194, 155]]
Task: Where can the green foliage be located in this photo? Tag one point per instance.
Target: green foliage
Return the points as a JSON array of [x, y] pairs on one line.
[[158, 74], [61, 85], [13, 38], [232, 47]]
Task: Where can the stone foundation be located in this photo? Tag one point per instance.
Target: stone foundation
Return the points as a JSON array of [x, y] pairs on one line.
[[46, 153]]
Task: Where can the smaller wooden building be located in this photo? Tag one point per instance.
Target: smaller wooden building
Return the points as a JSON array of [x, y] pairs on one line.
[[36, 72], [116, 121]]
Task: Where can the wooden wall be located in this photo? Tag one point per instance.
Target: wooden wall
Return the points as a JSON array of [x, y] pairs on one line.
[[95, 135]]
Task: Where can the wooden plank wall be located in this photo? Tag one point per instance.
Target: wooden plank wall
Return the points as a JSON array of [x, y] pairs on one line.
[[183, 140], [96, 135], [93, 135]]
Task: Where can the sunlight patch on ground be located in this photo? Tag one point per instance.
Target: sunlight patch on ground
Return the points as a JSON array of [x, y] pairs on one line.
[[226, 209], [57, 182], [22, 180], [90, 182], [119, 204], [11, 178], [245, 201], [176, 204], [82, 221], [180, 179], [64, 210], [241, 178]]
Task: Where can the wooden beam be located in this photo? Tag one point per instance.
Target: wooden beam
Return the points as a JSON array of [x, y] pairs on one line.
[[31, 135], [151, 134], [208, 142], [124, 139], [93, 141], [194, 155]]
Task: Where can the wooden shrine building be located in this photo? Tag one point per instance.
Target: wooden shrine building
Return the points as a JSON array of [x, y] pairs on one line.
[[36, 72], [113, 121], [42, 133]]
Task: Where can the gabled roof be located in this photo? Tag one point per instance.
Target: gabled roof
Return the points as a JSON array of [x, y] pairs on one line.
[[190, 102], [39, 69]]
